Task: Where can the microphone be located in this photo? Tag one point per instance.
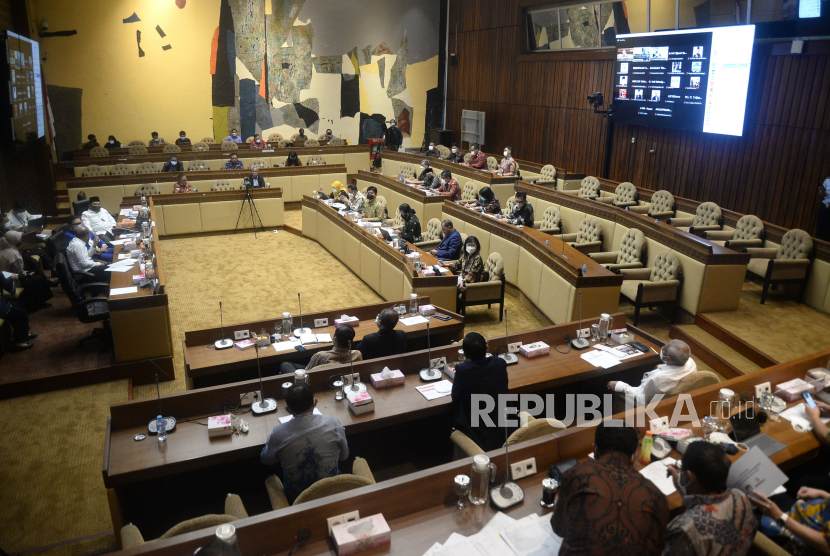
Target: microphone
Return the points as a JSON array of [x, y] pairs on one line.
[[429, 374], [509, 494], [265, 405], [699, 218], [301, 330], [169, 422], [355, 385], [562, 254], [224, 343], [580, 343], [509, 358]]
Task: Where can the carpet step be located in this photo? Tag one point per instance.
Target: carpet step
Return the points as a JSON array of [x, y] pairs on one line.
[[716, 354]]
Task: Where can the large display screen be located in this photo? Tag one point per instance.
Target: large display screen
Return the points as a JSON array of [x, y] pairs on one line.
[[25, 94], [693, 80]]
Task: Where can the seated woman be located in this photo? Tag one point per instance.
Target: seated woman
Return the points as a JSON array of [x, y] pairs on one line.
[[804, 528], [336, 189], [411, 231], [113, 143], [36, 286], [293, 160], [470, 268], [181, 185], [488, 201]]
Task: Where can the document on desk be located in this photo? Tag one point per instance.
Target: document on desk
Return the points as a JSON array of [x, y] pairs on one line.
[[284, 346], [324, 338], [600, 359], [435, 390], [797, 415], [754, 470], [618, 351], [412, 321], [287, 418], [657, 472], [308, 339], [504, 536], [123, 291], [125, 212], [122, 268]]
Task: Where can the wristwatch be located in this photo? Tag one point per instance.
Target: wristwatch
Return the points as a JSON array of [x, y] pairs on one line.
[[782, 520]]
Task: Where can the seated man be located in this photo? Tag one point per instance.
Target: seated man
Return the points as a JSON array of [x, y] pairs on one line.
[[339, 352], [478, 159], [301, 136], [508, 165], [373, 209], [432, 151], [233, 137], [182, 140], [156, 141], [81, 263], [455, 155], [449, 186], [91, 143], [98, 220], [97, 247], [258, 143], [717, 519], [421, 177], [328, 136], [431, 181], [181, 185], [522, 213], [677, 364], [309, 447], [386, 341], [479, 375], [18, 216], [254, 180], [487, 200], [174, 165], [450, 247], [234, 163], [356, 199], [5, 223], [604, 497]]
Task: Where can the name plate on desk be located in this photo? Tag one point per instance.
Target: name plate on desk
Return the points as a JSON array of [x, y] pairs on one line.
[[267, 150]]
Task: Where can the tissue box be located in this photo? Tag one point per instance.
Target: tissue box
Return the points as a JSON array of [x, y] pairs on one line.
[[397, 379], [135, 253], [534, 350], [792, 389], [622, 336], [820, 375], [359, 536], [351, 321], [138, 278], [219, 425], [244, 344], [426, 310], [360, 402], [428, 272], [130, 245]]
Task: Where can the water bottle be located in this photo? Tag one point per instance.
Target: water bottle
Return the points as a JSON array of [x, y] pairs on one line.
[[413, 304], [300, 377], [645, 450], [149, 273], [723, 408], [287, 327], [547, 243], [161, 428], [585, 270], [417, 261]]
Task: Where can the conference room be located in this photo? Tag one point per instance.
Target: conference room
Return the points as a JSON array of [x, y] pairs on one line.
[[401, 277]]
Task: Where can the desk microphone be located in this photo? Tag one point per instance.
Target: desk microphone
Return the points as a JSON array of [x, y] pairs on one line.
[[580, 343], [429, 374], [224, 343], [562, 254], [355, 385], [301, 330], [695, 222], [509, 358], [169, 422], [265, 405], [509, 494]]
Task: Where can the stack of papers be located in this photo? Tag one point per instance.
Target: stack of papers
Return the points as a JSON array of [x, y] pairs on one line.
[[504, 536], [657, 473], [412, 321], [122, 266], [289, 417], [435, 390], [284, 346], [123, 291], [600, 359]]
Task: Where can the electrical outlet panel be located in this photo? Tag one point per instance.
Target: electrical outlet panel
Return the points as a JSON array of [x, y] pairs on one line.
[[763, 387], [320, 322], [241, 334], [437, 363], [524, 468], [514, 347], [249, 398], [344, 518], [583, 333]]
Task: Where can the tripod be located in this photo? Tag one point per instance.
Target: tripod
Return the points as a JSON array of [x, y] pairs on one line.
[[251, 208]]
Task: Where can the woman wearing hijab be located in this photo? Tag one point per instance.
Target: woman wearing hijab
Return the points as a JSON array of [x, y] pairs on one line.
[[411, 230], [113, 143], [337, 189], [470, 268], [36, 287], [293, 160]]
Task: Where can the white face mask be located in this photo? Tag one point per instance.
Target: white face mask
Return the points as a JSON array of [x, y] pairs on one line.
[[505, 153], [443, 181], [234, 134], [392, 124], [680, 485], [455, 150], [182, 137], [473, 152], [471, 249], [422, 168], [430, 147]]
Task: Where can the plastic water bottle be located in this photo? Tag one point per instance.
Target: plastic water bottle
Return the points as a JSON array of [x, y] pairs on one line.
[[161, 428], [547, 243], [585, 270], [645, 449], [413, 304]]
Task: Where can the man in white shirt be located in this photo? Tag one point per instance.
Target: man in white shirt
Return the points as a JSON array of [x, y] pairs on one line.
[[83, 266], [18, 216], [98, 219], [677, 364]]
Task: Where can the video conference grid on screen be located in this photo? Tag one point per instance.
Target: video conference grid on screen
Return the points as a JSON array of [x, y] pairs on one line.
[[25, 88], [692, 80]]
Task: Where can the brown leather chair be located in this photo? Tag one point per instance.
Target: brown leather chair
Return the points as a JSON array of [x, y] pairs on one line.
[[490, 290], [788, 264], [360, 476], [658, 285], [631, 254]]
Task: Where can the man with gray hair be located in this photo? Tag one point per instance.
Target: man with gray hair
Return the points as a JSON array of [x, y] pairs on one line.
[[426, 178], [677, 365]]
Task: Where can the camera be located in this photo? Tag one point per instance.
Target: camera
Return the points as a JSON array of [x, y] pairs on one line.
[[596, 100]]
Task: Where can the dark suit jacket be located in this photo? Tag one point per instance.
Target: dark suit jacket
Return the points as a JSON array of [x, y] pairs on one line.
[[260, 181], [178, 167], [486, 376], [383, 343], [450, 247], [394, 136]]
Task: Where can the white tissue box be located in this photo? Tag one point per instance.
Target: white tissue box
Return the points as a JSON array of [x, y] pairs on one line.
[[820, 375], [219, 425], [397, 379], [360, 402], [428, 272], [367, 534], [135, 253], [138, 278], [792, 389], [426, 310], [130, 245], [351, 321], [534, 350], [622, 336]]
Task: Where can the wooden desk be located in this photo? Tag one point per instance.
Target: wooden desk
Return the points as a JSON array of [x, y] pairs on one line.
[[419, 507], [202, 361], [244, 146], [382, 268], [426, 206]]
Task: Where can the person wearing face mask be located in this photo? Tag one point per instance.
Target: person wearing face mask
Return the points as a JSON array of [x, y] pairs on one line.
[[112, 143], [36, 286], [181, 185], [336, 188], [508, 165], [81, 263], [182, 140], [234, 163], [258, 143], [386, 341], [469, 268], [233, 137], [478, 159], [422, 176], [450, 247], [394, 137], [522, 213], [455, 155], [98, 248], [716, 519], [173, 165], [328, 136], [293, 160], [18, 216], [488, 201], [301, 136], [603, 497], [677, 364], [373, 209], [98, 219], [432, 151], [156, 141], [449, 186], [411, 230], [357, 200]]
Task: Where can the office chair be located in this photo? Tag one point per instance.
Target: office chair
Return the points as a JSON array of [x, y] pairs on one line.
[[79, 207], [87, 310], [360, 476]]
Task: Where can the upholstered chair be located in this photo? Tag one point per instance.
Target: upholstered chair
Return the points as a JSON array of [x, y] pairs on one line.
[[508, 206], [337, 142], [547, 176], [492, 163], [551, 222], [631, 254], [469, 192], [532, 428], [432, 237], [171, 148], [662, 205], [137, 143], [120, 170], [275, 137], [312, 143], [147, 189], [749, 232], [200, 146], [708, 216], [222, 185], [147, 168], [197, 166], [99, 151], [282, 144], [259, 163], [788, 264], [489, 290], [137, 149], [625, 195], [94, 170], [209, 140], [315, 160], [589, 188], [229, 146], [658, 285], [360, 476], [588, 239]]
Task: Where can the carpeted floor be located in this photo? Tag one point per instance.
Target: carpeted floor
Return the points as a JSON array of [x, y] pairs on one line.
[[51, 490]]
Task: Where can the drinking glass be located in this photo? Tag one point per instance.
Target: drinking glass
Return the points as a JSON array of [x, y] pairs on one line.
[[708, 424], [766, 403], [595, 332], [462, 489]]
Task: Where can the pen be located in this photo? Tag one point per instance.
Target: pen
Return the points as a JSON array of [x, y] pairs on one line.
[[654, 350]]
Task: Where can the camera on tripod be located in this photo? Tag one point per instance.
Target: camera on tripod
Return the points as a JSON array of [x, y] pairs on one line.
[[596, 100]]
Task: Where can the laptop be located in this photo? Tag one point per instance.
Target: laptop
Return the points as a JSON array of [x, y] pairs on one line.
[[746, 430], [35, 224]]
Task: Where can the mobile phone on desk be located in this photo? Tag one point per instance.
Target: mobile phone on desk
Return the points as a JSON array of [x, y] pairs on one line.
[[809, 399], [442, 317]]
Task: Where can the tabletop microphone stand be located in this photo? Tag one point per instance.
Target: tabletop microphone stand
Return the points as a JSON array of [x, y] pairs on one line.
[[580, 343], [509, 494], [301, 330], [265, 405], [224, 343], [169, 422], [509, 358], [429, 374]]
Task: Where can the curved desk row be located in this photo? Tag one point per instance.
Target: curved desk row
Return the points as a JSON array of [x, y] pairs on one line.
[[244, 146], [354, 157], [395, 162], [382, 268], [397, 193], [713, 275], [294, 182]]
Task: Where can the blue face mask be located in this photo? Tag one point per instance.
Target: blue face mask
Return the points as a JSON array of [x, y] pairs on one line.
[[482, 199]]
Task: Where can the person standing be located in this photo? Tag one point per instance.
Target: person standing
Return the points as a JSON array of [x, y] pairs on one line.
[[394, 137]]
